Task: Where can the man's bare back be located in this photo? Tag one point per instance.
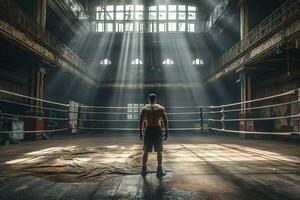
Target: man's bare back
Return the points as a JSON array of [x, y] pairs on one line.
[[153, 113]]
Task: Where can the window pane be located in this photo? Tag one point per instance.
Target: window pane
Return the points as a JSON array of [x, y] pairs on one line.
[[192, 15], [139, 7], [181, 26], [191, 8], [153, 8], [138, 15], [129, 107], [119, 27], [128, 16], [129, 27], [172, 27], [109, 8], [181, 16], [129, 8], [109, 27], [153, 16], [162, 16], [191, 27], [120, 8], [153, 27], [172, 15], [162, 27], [100, 16], [172, 8], [129, 12], [100, 27], [181, 8], [109, 15], [136, 108], [162, 7], [120, 16], [137, 26], [99, 8]]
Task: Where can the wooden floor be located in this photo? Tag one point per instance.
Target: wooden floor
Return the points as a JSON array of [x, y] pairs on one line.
[[107, 167]]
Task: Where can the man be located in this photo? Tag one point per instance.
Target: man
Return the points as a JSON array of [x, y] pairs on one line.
[[152, 113]]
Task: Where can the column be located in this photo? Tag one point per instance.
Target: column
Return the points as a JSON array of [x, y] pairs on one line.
[[36, 83], [244, 21], [246, 95]]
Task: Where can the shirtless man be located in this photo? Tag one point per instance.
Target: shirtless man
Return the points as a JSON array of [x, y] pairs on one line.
[[152, 113]]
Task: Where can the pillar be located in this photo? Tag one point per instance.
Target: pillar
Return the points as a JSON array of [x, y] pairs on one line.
[[244, 20], [245, 77], [246, 95], [36, 83]]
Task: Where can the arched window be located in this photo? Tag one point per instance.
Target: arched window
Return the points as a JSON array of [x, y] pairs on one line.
[[137, 61], [198, 61], [168, 61], [105, 62]]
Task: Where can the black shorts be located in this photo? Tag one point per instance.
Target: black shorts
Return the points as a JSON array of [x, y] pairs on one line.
[[153, 138]]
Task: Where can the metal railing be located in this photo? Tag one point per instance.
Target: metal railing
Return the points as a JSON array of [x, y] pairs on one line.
[[12, 11], [287, 11]]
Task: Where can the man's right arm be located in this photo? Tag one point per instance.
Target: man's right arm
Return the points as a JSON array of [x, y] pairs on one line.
[[141, 124]]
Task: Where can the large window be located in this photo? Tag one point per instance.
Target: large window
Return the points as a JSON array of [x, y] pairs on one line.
[[105, 62], [133, 111], [137, 62], [161, 18], [172, 18], [168, 61], [119, 18], [198, 61]]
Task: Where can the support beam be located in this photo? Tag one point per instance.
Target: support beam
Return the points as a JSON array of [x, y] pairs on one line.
[[36, 83], [246, 95], [244, 18]]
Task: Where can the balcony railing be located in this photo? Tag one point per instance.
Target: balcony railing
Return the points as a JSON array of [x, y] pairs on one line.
[[287, 11], [12, 11]]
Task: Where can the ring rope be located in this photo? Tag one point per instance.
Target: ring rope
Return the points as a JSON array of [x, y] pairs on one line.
[[47, 131], [255, 100], [128, 120], [136, 129], [34, 117], [262, 107], [119, 113], [34, 106], [255, 132], [33, 98], [254, 119]]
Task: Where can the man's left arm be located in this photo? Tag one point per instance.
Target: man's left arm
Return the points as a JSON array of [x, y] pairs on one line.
[[166, 124]]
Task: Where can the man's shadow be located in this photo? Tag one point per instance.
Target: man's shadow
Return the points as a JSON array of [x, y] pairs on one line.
[[153, 187]]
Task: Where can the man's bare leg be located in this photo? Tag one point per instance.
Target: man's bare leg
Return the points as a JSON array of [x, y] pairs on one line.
[[145, 158], [159, 158], [160, 172], [144, 167]]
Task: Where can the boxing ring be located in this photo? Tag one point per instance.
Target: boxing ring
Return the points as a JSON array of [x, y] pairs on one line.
[[200, 161], [242, 117]]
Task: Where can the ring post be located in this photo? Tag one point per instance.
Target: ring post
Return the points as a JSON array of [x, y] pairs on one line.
[[298, 90], [201, 118], [223, 118], [73, 116]]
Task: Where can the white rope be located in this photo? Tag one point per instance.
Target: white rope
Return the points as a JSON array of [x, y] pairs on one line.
[[34, 117], [256, 100], [136, 129], [262, 107], [255, 132], [42, 131], [32, 98], [254, 119], [33, 106], [129, 120]]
